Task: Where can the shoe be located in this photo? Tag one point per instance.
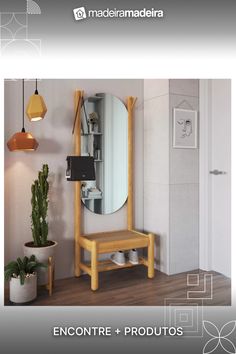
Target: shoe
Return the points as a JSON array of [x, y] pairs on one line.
[[133, 256], [118, 258]]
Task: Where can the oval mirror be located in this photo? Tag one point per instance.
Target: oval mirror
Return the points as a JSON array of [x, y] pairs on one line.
[[104, 135]]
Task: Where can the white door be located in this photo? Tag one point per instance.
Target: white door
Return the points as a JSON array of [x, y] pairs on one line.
[[215, 171]]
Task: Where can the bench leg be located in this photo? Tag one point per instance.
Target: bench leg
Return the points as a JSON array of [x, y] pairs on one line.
[[94, 267], [151, 256], [77, 259]]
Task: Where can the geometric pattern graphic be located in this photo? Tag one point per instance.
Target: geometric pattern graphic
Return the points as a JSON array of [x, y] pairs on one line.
[[202, 285], [14, 35], [13, 25], [33, 8], [219, 339], [186, 314]]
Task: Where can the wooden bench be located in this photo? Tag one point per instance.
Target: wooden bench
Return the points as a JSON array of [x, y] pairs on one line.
[[112, 241]]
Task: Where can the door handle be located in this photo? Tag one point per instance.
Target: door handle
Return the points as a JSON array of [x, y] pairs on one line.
[[217, 172]]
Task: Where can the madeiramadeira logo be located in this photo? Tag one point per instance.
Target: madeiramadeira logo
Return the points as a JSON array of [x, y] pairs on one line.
[[80, 13]]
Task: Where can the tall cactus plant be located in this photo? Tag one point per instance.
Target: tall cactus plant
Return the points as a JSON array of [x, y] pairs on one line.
[[39, 202]]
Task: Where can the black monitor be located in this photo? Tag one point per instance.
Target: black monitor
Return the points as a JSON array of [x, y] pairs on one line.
[[80, 168]]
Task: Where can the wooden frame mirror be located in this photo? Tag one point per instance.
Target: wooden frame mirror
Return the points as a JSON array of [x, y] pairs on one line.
[[107, 242]]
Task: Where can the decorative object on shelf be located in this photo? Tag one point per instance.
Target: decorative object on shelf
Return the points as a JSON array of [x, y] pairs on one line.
[[40, 246], [89, 191], [185, 128], [93, 122], [97, 155], [22, 275], [84, 190], [22, 141], [91, 194], [36, 108]]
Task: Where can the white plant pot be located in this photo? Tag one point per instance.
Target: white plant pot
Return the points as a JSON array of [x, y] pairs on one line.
[[23, 293], [42, 254]]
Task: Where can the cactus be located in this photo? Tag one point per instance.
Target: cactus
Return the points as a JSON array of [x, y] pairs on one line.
[[39, 202]]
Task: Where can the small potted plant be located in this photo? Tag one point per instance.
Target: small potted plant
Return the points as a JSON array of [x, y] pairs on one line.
[[22, 276], [41, 247]]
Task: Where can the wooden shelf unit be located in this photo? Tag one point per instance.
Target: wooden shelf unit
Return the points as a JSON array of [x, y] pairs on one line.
[[107, 265], [109, 241]]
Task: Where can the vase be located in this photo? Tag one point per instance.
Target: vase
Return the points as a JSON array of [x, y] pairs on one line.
[[42, 254], [23, 293]]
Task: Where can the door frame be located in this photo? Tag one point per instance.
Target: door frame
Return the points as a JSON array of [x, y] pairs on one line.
[[205, 217]]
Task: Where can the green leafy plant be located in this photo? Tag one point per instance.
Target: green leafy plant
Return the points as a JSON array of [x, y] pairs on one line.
[[22, 268], [39, 202]]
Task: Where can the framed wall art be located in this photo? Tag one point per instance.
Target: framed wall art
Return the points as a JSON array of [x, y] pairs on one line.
[[185, 129]]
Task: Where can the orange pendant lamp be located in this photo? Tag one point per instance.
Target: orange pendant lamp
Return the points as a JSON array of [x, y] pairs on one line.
[[22, 141], [36, 108]]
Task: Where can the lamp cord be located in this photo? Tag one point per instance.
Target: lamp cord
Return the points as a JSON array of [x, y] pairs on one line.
[[23, 105], [36, 88]]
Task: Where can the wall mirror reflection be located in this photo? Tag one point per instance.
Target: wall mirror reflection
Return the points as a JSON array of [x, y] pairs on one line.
[[104, 135]]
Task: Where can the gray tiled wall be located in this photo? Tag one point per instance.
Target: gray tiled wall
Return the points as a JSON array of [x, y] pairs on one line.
[[171, 182], [184, 186], [156, 167]]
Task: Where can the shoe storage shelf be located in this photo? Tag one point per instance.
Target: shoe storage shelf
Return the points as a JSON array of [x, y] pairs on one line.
[[109, 241]]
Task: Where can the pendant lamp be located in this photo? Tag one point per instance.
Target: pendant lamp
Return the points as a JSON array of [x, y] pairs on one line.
[[36, 108], [22, 141]]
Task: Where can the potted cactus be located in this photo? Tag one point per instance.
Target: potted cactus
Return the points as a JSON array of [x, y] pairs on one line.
[[40, 246], [22, 277]]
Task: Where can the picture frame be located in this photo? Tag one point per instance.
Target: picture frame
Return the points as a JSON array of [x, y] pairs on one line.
[[185, 129]]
